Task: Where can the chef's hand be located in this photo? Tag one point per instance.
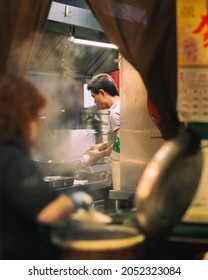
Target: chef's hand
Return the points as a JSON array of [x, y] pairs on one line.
[[99, 147], [96, 152], [81, 200], [91, 157]]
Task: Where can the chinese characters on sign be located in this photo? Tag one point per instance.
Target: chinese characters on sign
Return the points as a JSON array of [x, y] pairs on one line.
[[203, 28], [192, 43]]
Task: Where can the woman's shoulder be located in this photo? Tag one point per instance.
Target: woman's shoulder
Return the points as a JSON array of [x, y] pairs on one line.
[[11, 150], [13, 155]]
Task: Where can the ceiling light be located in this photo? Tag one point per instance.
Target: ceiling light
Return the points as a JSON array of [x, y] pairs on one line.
[[92, 43]]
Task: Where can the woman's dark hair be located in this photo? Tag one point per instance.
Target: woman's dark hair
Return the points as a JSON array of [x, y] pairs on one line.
[[104, 82], [20, 103]]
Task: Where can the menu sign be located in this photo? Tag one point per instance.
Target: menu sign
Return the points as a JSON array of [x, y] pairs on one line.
[[192, 42]]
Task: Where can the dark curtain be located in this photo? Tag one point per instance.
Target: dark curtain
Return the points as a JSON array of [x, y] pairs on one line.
[[21, 25], [145, 31]]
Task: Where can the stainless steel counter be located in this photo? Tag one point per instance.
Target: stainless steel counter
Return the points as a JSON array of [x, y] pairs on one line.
[[99, 192]]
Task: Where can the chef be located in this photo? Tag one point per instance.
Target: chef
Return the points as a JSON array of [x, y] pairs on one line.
[[106, 96]]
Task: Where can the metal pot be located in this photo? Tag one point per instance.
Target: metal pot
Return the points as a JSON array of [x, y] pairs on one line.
[[70, 145], [168, 185], [57, 168], [106, 242]]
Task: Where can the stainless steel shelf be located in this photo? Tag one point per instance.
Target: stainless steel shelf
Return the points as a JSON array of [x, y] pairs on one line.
[[120, 195]]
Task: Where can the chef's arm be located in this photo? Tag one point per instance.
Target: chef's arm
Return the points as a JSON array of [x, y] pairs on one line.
[[98, 151], [100, 147], [106, 152], [106, 148], [93, 155], [59, 210]]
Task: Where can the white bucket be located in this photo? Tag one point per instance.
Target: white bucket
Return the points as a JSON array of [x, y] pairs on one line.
[[116, 174]]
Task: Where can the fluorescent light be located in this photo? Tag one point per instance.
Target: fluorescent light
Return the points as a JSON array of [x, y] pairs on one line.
[[92, 43]]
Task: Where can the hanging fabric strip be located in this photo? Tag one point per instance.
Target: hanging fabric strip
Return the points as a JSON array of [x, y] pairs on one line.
[[145, 33], [21, 26]]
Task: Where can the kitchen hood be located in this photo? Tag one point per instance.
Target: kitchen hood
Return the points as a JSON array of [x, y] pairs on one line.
[[57, 54]]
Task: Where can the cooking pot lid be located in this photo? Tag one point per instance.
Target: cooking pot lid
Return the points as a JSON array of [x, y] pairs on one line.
[[168, 185]]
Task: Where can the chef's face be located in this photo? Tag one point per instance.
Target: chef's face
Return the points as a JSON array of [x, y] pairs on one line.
[[99, 99]]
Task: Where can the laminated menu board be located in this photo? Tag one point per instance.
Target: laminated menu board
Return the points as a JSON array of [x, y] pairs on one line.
[[192, 60]]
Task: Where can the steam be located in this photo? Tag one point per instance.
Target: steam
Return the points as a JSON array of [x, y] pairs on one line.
[[53, 72]]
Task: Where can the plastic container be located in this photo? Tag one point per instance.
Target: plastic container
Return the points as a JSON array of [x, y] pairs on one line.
[[116, 174]]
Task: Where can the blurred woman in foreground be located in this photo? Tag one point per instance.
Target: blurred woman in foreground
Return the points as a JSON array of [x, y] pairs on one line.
[[29, 206]]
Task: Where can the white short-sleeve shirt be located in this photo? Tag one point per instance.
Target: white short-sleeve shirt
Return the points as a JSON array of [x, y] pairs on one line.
[[114, 120]]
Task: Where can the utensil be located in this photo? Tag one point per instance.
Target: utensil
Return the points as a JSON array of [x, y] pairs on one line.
[[76, 241]]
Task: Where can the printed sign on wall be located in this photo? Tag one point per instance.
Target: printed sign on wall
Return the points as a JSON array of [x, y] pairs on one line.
[[192, 48]]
